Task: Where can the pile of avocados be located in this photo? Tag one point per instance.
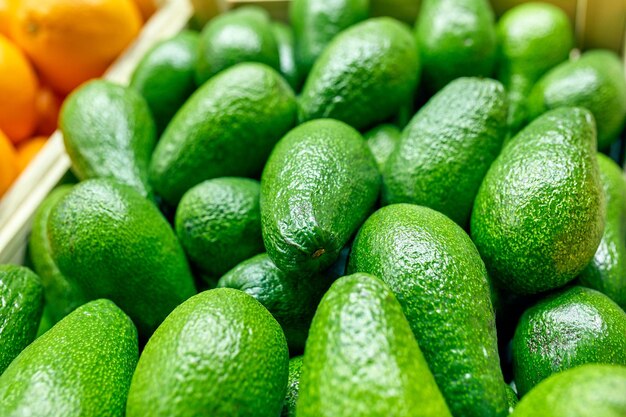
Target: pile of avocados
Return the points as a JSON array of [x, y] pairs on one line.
[[340, 217]]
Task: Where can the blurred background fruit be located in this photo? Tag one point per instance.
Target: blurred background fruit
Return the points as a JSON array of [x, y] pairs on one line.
[[146, 7], [8, 168], [27, 150], [48, 106]]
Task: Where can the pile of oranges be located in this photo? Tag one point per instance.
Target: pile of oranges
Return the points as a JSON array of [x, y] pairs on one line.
[[47, 49]]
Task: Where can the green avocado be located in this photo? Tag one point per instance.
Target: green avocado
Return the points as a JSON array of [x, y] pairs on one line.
[[227, 128], [291, 298], [533, 38], [241, 35], [596, 82], [110, 242], [318, 186], [585, 391], [434, 270], [21, 305], [573, 327], [448, 147], [361, 359], [364, 76], [219, 354], [218, 223], [293, 387], [382, 141], [108, 132], [512, 399], [286, 43], [538, 217], [81, 367], [457, 38], [316, 23], [607, 270], [165, 76]]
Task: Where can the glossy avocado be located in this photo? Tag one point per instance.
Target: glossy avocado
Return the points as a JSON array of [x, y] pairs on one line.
[[218, 354], [361, 358], [538, 217], [293, 387], [512, 399], [573, 327], [456, 38], [80, 367], [112, 243], [382, 141], [436, 273], [21, 306], [447, 148], [318, 186], [364, 75], [108, 132], [286, 50], [228, 127]]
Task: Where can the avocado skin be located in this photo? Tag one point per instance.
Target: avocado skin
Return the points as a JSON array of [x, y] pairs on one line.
[[437, 275], [596, 82], [286, 43], [165, 76], [61, 296], [108, 132], [293, 387], [511, 397], [573, 327], [361, 358], [539, 214], [318, 186], [228, 127], [585, 391], [533, 38], [218, 354], [382, 141], [218, 223], [112, 243], [607, 270], [242, 35], [457, 38], [316, 23], [447, 148], [364, 75], [21, 302], [291, 298], [82, 366]]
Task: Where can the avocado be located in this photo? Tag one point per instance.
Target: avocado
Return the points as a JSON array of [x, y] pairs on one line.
[[218, 223], [539, 214], [572, 327], [447, 148], [316, 23], [293, 387], [228, 127], [110, 242], [165, 76], [532, 38], [219, 354], [364, 75], [291, 298], [457, 38], [436, 273], [318, 186], [382, 141], [242, 35], [108, 132], [607, 270], [61, 296], [21, 305], [596, 82], [361, 359], [585, 391], [80, 367], [511, 397], [286, 44], [46, 321]]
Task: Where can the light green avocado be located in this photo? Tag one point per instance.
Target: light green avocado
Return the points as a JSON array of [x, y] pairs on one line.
[[382, 141], [286, 43]]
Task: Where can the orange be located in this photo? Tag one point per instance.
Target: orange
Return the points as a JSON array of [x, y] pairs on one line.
[[72, 41], [8, 167], [28, 150], [4, 18], [48, 106], [18, 89], [146, 7]]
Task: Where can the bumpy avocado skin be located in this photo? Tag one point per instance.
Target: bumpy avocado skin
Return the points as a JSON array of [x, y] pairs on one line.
[[382, 141], [573, 327], [435, 271], [447, 148], [538, 217], [361, 358], [293, 387]]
